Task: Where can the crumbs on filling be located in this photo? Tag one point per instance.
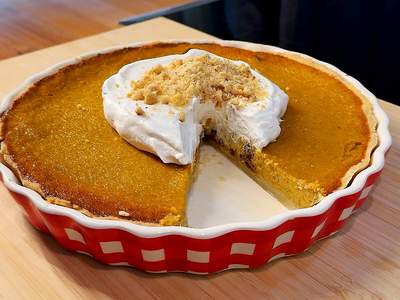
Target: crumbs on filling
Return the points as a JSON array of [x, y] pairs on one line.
[[209, 79], [172, 218], [139, 111]]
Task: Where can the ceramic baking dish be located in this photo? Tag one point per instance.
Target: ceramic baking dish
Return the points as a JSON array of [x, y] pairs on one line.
[[200, 250]]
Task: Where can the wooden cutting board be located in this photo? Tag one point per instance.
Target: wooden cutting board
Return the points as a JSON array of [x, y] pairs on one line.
[[362, 261]]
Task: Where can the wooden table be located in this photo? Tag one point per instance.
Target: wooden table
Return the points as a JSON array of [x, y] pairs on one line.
[[32, 25], [363, 261]]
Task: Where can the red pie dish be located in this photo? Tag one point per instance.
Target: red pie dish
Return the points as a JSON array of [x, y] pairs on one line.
[[124, 232]]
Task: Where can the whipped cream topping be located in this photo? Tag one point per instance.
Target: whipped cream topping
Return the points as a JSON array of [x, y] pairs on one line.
[[160, 129]]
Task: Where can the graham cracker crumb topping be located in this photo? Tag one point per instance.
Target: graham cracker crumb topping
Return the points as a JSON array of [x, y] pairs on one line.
[[172, 218], [123, 213], [181, 116], [139, 111], [207, 78]]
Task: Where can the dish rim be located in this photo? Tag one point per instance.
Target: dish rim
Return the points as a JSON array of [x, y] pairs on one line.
[[359, 181]]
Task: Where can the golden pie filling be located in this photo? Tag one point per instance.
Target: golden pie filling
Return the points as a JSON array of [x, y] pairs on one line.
[[56, 139]]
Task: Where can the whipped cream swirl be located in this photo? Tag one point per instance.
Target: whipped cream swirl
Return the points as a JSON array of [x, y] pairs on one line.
[[161, 131]]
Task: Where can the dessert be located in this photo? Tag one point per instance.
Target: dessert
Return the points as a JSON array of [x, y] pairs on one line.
[[56, 139], [180, 97]]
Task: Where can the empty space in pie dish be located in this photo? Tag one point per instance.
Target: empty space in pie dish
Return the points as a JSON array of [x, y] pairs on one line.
[[222, 193]]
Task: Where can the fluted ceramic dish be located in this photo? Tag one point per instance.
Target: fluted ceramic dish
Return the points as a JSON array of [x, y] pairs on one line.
[[207, 250]]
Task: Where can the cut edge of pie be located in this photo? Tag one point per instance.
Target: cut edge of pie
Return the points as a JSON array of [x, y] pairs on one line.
[[172, 219]]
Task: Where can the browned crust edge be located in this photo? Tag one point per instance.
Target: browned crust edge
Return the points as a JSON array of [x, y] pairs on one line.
[[366, 107]]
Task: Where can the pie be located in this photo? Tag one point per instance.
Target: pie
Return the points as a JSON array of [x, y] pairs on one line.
[[56, 139]]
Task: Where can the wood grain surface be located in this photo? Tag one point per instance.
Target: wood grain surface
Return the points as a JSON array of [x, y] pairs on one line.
[[360, 262], [28, 25]]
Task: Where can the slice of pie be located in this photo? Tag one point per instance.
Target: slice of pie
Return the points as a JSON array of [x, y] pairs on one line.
[[56, 139]]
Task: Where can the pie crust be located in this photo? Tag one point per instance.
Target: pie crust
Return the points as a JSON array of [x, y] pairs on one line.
[[293, 191]]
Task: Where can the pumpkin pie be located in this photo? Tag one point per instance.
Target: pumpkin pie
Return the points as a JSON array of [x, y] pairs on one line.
[[56, 139]]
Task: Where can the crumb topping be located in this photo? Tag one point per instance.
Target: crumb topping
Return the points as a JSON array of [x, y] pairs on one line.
[[123, 213], [172, 218], [181, 116], [207, 78], [139, 111]]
